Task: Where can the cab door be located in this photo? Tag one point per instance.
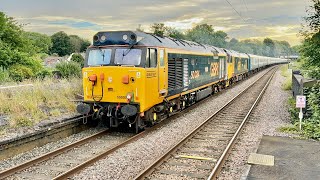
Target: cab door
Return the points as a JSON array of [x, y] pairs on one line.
[[162, 73], [230, 66]]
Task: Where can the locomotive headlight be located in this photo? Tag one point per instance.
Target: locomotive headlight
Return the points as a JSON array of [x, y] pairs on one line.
[[129, 97], [103, 38], [125, 37]]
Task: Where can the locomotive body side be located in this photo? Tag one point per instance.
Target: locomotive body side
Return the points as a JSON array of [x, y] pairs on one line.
[[139, 79]]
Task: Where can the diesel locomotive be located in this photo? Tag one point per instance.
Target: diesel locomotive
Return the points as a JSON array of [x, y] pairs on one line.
[[139, 79]]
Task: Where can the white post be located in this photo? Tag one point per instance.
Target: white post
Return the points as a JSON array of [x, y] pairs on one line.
[[300, 117]]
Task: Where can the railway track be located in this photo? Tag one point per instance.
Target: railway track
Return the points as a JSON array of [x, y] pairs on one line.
[[201, 154], [68, 158], [71, 159]]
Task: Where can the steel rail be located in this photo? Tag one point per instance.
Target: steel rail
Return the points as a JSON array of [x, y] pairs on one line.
[[20, 167], [25, 165], [217, 168], [78, 168], [91, 161], [149, 170]]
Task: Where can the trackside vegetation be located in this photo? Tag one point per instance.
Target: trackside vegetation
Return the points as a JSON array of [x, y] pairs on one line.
[[46, 99], [310, 68], [22, 56]]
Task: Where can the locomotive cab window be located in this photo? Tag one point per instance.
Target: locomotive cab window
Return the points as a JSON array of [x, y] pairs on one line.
[[99, 57], [151, 59], [127, 57]]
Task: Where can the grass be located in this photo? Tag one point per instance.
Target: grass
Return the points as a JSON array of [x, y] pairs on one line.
[[287, 85], [49, 98]]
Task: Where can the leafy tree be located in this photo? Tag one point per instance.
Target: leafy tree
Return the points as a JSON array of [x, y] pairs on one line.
[[79, 44], [205, 34], [76, 43], [42, 42], [84, 45], [313, 19], [159, 29], [310, 49], [269, 47], [61, 44], [14, 47], [174, 33]]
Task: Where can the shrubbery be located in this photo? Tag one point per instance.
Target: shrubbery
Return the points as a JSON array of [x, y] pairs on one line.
[[311, 123], [69, 69], [19, 72], [78, 58], [4, 76]]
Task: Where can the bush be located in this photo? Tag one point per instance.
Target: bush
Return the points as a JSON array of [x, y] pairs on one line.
[[311, 123], [20, 72], [78, 59], [4, 76], [44, 73], [69, 69]]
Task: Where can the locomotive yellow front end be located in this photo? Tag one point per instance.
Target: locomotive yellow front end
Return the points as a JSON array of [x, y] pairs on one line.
[[117, 87]]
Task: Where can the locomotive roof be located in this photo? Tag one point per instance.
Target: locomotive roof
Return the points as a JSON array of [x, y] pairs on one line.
[[145, 39]]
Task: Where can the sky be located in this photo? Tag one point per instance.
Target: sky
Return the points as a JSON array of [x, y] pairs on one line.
[[241, 19]]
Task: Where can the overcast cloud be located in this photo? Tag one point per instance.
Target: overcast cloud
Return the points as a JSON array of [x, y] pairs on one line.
[[277, 19]]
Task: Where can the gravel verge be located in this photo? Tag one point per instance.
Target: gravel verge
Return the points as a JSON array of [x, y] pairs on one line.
[[127, 162], [23, 157], [270, 114]]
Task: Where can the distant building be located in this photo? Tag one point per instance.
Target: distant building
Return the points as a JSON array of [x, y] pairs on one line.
[[51, 61], [293, 57]]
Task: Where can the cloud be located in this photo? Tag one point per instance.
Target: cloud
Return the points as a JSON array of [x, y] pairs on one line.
[[271, 18]]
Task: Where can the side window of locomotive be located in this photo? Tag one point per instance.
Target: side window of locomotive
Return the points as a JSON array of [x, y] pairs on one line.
[[161, 58], [151, 60]]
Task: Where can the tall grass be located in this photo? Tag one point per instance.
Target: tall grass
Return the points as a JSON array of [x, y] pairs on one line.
[[49, 98], [287, 85]]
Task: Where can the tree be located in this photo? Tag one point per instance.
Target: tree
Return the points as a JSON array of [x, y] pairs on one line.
[[84, 45], [14, 47], [174, 33], [42, 42], [310, 49], [78, 44], [313, 19], [61, 44], [269, 47], [159, 29], [205, 34]]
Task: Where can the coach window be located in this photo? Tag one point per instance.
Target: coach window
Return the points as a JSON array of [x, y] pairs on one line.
[[161, 58], [151, 59]]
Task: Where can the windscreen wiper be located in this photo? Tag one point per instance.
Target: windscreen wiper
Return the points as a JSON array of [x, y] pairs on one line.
[[102, 53]]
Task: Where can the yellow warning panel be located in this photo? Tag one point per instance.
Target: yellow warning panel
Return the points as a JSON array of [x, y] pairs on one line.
[[261, 159]]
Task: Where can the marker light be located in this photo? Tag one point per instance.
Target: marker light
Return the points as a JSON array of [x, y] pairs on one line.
[[129, 97]]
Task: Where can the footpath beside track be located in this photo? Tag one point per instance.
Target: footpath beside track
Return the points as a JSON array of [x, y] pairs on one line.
[[201, 154]]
